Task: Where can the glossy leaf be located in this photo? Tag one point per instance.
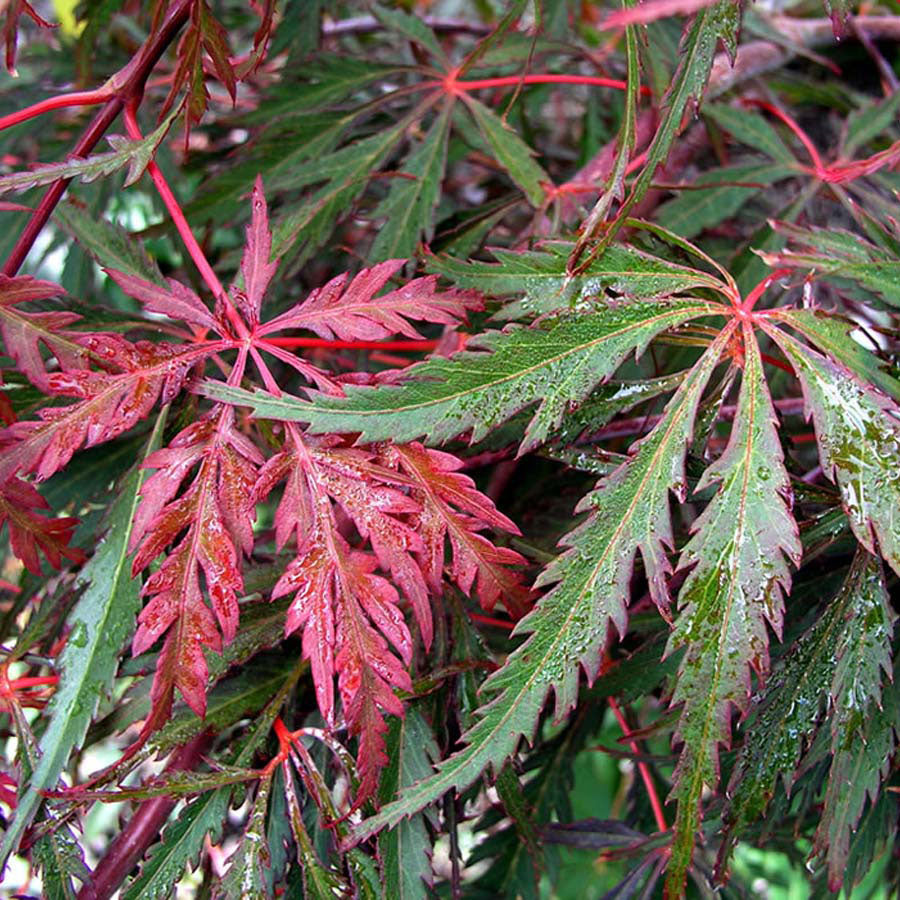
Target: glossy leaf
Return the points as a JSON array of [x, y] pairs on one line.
[[569, 625], [738, 559], [555, 365], [858, 433]]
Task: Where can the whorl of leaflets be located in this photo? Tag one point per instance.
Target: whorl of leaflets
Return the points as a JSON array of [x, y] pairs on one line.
[[399, 505]]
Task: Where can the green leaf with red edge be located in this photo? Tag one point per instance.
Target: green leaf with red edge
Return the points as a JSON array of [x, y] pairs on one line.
[[345, 173], [211, 521], [183, 838], [750, 128], [245, 878], [554, 364], [832, 334], [111, 245], [544, 286], [832, 252], [568, 628], [718, 22], [738, 560], [858, 434], [135, 154], [865, 719], [414, 29]]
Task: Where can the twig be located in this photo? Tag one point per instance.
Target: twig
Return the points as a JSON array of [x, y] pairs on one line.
[[126, 85]]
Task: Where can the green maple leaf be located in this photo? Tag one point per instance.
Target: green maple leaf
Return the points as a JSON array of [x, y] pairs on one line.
[[738, 557], [858, 433], [554, 365]]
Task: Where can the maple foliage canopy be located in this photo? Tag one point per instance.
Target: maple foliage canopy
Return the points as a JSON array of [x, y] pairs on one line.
[[552, 401]]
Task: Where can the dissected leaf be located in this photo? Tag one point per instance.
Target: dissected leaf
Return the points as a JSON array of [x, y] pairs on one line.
[[24, 332], [541, 278], [834, 252], [410, 203], [516, 157], [136, 154], [865, 719], [738, 560], [212, 524], [555, 364], [858, 433], [569, 625]]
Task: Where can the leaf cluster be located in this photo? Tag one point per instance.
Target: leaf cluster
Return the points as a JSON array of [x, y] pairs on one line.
[[464, 440]]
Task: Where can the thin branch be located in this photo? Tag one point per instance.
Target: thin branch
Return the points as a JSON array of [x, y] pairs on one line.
[[126, 85], [142, 829]]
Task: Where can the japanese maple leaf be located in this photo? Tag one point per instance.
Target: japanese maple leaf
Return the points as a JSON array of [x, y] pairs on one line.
[[347, 613], [24, 332], [30, 532], [107, 404], [346, 308], [213, 518], [453, 509]]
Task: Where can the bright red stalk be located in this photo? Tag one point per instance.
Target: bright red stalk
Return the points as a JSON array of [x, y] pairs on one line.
[[746, 308], [184, 229], [452, 86], [643, 768], [61, 101], [409, 346], [802, 136]]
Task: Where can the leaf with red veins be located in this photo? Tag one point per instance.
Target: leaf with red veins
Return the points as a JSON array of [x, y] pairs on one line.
[[336, 597], [24, 332], [256, 268], [452, 507], [30, 532], [317, 471], [108, 403], [178, 302], [353, 311], [350, 477], [215, 515]]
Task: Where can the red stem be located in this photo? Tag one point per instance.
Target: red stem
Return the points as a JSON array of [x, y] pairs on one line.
[[62, 101], [477, 84], [409, 346], [128, 85], [141, 831], [181, 223], [488, 620], [803, 137], [643, 768]]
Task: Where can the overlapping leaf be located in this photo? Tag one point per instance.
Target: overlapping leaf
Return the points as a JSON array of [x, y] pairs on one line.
[[554, 365], [214, 523], [858, 432], [833, 252], [629, 512]]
